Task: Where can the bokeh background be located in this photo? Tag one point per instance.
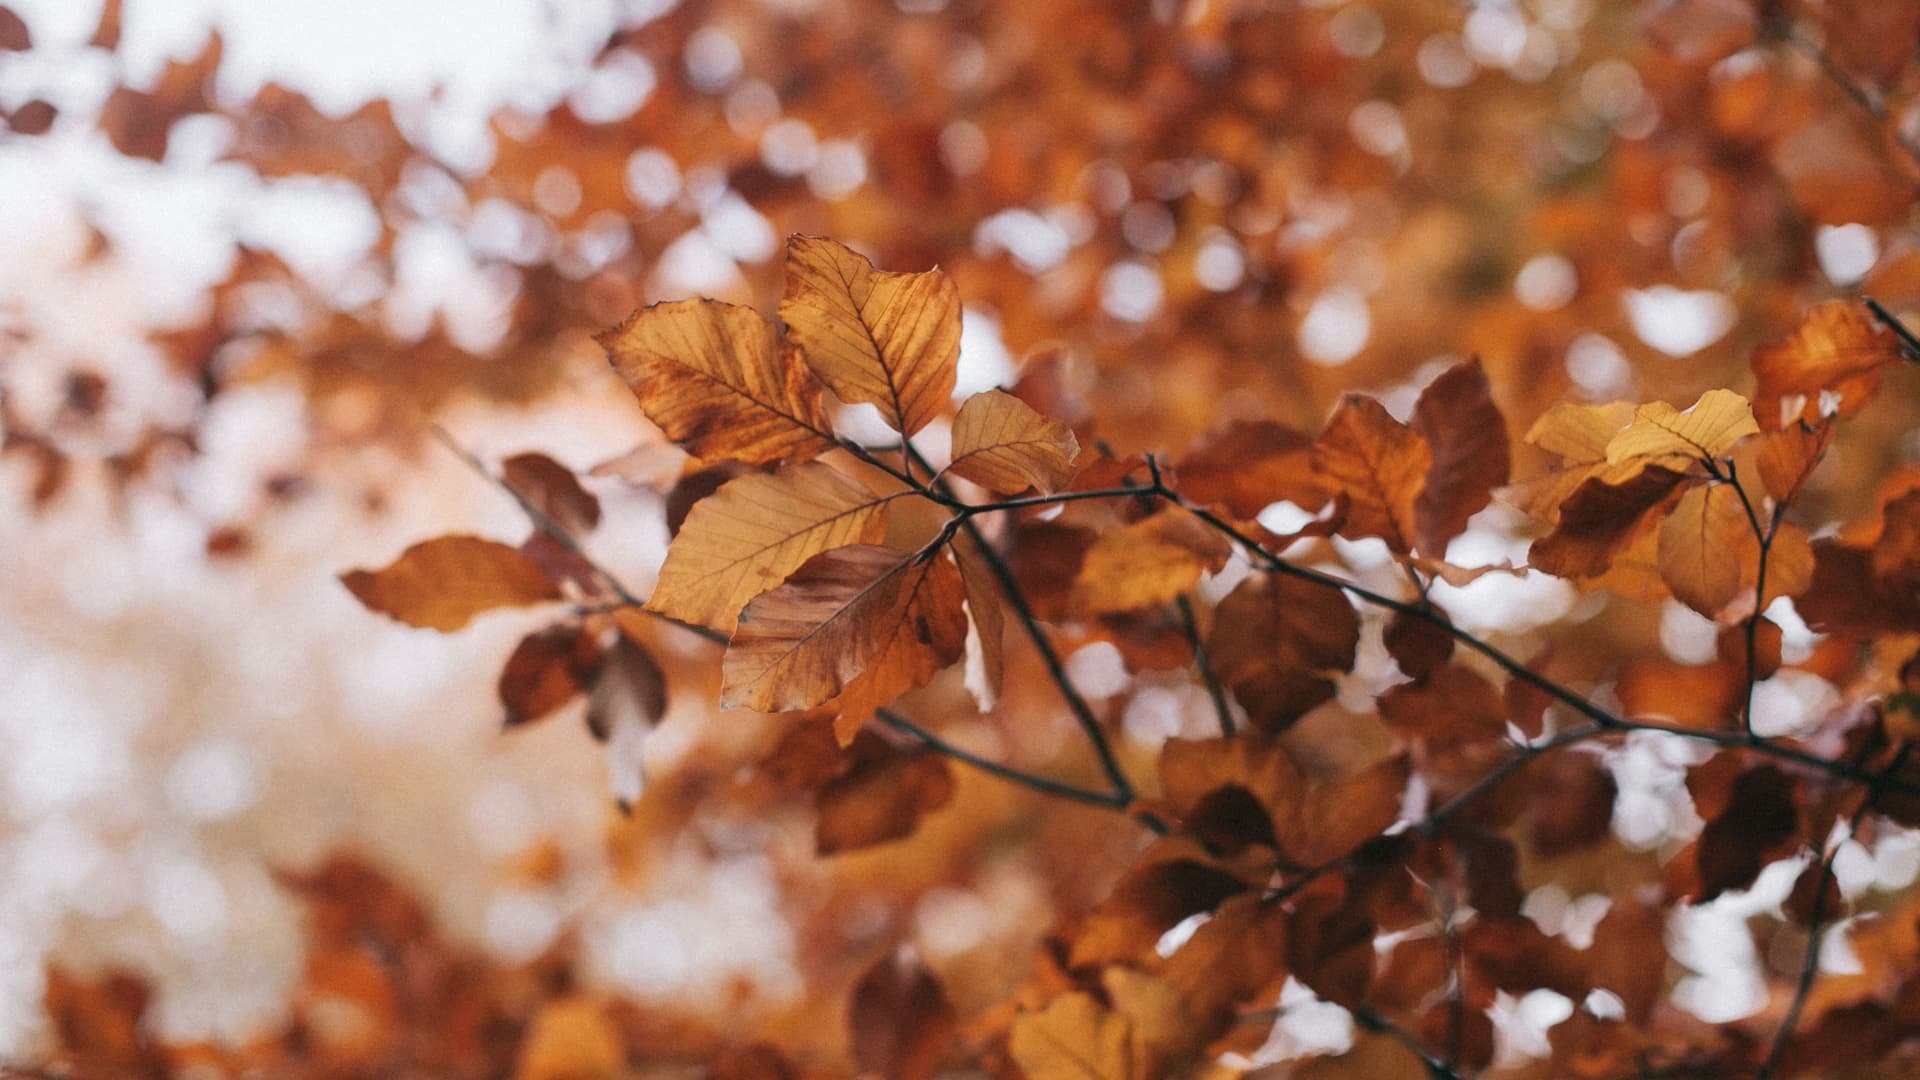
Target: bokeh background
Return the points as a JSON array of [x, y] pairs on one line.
[[254, 250]]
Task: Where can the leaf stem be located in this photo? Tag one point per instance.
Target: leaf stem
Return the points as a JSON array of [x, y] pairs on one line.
[[1190, 627]]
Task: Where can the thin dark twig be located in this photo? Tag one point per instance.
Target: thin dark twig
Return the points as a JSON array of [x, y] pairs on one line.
[[1855, 92], [1909, 343], [1372, 1021], [1816, 928], [1049, 656], [1038, 783], [1191, 628], [1762, 535]]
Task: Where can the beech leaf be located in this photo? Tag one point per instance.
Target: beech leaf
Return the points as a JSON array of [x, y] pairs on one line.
[[1468, 439], [1148, 563], [1002, 444], [884, 339], [1663, 435], [717, 382], [1836, 353], [443, 583], [745, 539], [1381, 466], [1704, 543]]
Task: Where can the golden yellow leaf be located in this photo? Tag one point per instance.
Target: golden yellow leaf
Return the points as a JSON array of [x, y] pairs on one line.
[[1074, 1038], [1162, 1032], [441, 584], [715, 379], [884, 339], [748, 536], [1148, 563], [1381, 466], [1704, 544], [1663, 435], [1788, 456], [1578, 435], [862, 612], [1002, 444], [571, 1038], [1790, 563]]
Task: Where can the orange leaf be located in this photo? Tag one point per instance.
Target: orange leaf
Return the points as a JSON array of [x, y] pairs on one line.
[[1148, 563], [880, 799], [1468, 438], [716, 381], [1598, 520], [862, 610], [571, 1038], [1249, 465], [1835, 354], [552, 490], [1788, 456], [1705, 542], [1271, 634], [1002, 444], [900, 1020], [745, 539], [1074, 1038], [443, 583], [548, 668], [1381, 466], [988, 613], [883, 339]]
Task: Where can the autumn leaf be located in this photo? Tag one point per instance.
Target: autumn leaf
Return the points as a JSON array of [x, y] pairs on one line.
[[1787, 456], [572, 1038], [1578, 435], [987, 613], [745, 539], [1247, 466], [626, 701], [885, 339], [1381, 466], [547, 669], [1002, 444], [1830, 365], [1704, 542], [1665, 436], [880, 799], [1074, 1038], [715, 379], [1598, 520], [1450, 705], [1273, 636], [442, 584], [1468, 439], [1148, 563], [899, 1018], [553, 491], [864, 610]]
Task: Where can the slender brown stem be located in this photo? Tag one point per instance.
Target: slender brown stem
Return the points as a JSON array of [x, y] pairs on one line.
[[1868, 101], [1190, 627]]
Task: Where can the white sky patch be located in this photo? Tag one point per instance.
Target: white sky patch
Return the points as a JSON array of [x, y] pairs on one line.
[[984, 360], [1678, 322], [1846, 252], [1336, 327]]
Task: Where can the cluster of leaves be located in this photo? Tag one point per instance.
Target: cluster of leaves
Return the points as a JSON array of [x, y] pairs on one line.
[[841, 576]]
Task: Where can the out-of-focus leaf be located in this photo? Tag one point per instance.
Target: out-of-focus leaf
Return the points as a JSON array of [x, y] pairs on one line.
[[552, 489], [899, 1018], [1830, 364], [987, 612], [885, 339], [1249, 465], [1074, 1038], [547, 669], [628, 698], [442, 584], [881, 798], [1273, 636], [571, 1038], [715, 379], [748, 536], [1148, 563]]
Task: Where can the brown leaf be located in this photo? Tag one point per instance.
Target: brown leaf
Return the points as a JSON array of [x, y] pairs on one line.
[[626, 702], [881, 799], [1578, 435], [1002, 444], [1573, 801], [14, 35], [1419, 645], [1381, 466], [1249, 465], [865, 611], [1704, 543], [548, 668], [1693, 697], [1271, 634], [1838, 350], [1148, 563], [1451, 706], [1229, 959], [552, 490], [717, 382], [1759, 824], [106, 32], [747, 537], [1345, 813], [443, 583], [1171, 881], [1231, 792], [1598, 520], [1468, 438], [1788, 456], [988, 613], [884, 339], [571, 1038], [900, 1021]]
